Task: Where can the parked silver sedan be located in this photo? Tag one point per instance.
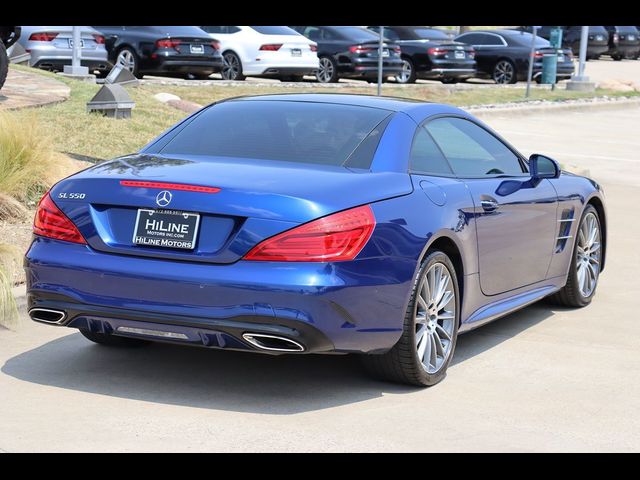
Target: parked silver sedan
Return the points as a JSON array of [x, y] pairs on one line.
[[51, 48]]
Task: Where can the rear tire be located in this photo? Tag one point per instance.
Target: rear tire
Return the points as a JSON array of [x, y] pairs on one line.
[[113, 340], [449, 80], [129, 60], [232, 67], [427, 316], [4, 64], [328, 71], [504, 72], [571, 294], [408, 74]]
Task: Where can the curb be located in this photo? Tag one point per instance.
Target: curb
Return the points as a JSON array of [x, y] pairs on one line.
[[577, 106]]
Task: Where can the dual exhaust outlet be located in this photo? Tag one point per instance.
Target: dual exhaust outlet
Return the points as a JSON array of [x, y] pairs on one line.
[[262, 341]]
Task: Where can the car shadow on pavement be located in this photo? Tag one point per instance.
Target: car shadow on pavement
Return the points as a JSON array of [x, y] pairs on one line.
[[228, 380]]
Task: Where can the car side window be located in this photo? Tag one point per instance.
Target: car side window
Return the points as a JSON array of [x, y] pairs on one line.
[[471, 150], [471, 39], [389, 34], [312, 33], [212, 29], [426, 157], [232, 29], [491, 40]]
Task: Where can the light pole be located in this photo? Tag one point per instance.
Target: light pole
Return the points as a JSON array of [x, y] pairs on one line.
[[581, 81], [531, 54], [380, 60], [76, 67]]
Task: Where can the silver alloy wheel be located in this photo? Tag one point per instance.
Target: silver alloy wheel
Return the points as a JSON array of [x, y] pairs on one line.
[[588, 261], [230, 66], [127, 60], [503, 72], [405, 73], [325, 72], [434, 316]]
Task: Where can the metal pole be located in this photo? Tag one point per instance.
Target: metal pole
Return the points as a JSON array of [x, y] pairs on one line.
[[380, 62], [77, 48], [531, 54], [584, 39]]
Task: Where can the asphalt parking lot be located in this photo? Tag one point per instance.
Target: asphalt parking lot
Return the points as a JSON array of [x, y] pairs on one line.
[[543, 379]]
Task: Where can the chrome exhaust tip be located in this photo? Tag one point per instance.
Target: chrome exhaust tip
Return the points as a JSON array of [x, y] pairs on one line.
[[47, 315], [273, 343]]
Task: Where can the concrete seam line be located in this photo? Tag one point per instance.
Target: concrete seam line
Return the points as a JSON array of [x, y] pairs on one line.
[[568, 106]]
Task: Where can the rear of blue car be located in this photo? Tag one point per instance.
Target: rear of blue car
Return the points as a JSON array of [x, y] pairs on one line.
[[252, 225]]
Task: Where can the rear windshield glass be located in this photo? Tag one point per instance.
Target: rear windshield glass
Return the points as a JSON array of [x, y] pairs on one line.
[[302, 132], [430, 33], [357, 34], [595, 29], [275, 30], [628, 29]]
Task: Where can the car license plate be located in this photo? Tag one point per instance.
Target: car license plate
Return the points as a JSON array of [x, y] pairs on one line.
[[561, 58], [166, 229], [197, 49], [385, 52], [599, 38], [71, 43], [631, 38], [296, 52], [459, 54]]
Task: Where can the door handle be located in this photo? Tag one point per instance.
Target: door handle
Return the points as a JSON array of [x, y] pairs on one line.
[[489, 204]]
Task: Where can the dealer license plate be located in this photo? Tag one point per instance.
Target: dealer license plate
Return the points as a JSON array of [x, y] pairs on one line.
[[197, 49], [166, 229]]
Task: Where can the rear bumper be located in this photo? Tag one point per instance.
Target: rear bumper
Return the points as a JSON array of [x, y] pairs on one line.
[[353, 306], [447, 73], [276, 71], [368, 68], [626, 51], [204, 66], [59, 64]]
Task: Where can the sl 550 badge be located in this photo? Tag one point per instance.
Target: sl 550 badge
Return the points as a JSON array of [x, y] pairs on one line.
[[72, 195]]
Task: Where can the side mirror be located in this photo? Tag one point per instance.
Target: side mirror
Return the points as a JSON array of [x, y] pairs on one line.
[[543, 167]]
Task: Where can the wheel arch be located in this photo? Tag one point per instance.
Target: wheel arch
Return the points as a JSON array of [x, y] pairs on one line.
[[597, 203]]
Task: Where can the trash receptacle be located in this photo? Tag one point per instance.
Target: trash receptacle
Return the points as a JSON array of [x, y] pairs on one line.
[[549, 68]]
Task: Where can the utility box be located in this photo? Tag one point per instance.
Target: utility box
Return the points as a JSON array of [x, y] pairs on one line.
[[121, 76], [112, 101]]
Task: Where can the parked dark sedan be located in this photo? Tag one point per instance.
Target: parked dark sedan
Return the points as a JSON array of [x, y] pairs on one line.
[[175, 50], [503, 55], [351, 52], [624, 42], [429, 53], [597, 44]]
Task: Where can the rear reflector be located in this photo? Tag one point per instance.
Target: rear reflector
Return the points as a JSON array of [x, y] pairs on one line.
[[271, 47], [43, 36], [52, 223], [169, 186], [333, 238]]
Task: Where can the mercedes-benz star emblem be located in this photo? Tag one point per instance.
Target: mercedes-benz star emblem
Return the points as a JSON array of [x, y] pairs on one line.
[[164, 198]]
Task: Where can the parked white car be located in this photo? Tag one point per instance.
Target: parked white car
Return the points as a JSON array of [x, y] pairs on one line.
[[266, 51]]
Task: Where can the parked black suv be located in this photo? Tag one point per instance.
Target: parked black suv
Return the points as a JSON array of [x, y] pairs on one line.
[[429, 53], [624, 42], [597, 44], [166, 50], [8, 36], [351, 52]]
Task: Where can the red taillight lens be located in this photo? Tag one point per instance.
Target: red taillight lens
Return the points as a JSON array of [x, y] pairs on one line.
[[43, 36], [271, 47], [537, 54], [169, 186], [436, 51], [215, 45], [99, 39], [360, 49], [397, 49], [333, 238], [51, 222], [168, 43], [313, 48]]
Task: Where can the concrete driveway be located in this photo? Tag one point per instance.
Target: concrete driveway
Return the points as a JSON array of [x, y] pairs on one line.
[[543, 379]]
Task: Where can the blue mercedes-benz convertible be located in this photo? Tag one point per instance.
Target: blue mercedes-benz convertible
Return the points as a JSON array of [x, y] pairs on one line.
[[313, 224]]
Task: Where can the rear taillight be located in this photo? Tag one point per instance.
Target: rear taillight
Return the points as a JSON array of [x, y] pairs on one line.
[[397, 49], [360, 49], [43, 36], [334, 238], [216, 45], [52, 223], [616, 37], [538, 54], [313, 48], [99, 39], [168, 43], [436, 51], [271, 47], [185, 187], [471, 53]]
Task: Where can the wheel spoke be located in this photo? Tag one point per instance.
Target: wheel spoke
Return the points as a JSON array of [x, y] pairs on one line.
[[443, 333], [444, 301]]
